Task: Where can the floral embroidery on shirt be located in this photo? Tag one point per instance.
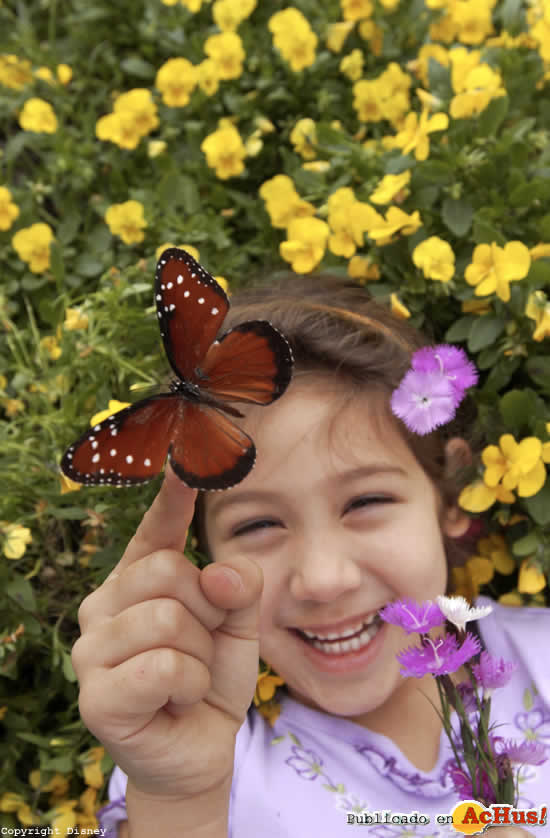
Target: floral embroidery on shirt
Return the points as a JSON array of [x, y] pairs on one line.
[[309, 766]]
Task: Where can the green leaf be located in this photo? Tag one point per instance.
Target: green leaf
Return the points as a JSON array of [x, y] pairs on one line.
[[136, 66], [457, 215], [87, 265], [517, 407], [484, 233], [526, 545], [460, 330], [490, 120], [21, 591], [56, 262], [485, 330], [538, 369], [538, 506], [68, 670]]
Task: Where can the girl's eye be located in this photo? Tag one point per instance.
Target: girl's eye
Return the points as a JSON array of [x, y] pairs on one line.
[[367, 500], [253, 526]]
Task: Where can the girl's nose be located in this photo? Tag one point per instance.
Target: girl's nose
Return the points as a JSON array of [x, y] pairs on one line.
[[322, 574]]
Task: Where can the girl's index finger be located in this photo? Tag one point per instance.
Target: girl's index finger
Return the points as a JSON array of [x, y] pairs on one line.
[[165, 524]]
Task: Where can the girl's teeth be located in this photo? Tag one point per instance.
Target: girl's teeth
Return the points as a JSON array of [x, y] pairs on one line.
[[330, 647], [348, 633]]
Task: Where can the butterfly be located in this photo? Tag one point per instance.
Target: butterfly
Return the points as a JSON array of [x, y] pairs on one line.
[[190, 425]]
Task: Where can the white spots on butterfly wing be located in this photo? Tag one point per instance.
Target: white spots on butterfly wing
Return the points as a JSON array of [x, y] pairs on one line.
[[187, 293], [96, 458], [201, 300], [129, 459], [97, 428], [147, 462], [179, 280], [114, 431], [172, 307], [159, 314], [158, 297], [95, 443], [215, 311], [112, 452]]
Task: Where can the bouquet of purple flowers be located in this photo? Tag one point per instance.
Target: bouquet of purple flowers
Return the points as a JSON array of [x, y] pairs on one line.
[[482, 766]]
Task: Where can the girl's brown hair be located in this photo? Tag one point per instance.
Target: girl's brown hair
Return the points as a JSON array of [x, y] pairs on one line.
[[336, 328]]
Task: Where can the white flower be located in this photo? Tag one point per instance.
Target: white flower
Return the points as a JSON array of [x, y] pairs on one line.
[[458, 611]]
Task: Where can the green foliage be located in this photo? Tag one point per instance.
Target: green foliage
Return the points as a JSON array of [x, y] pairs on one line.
[[485, 180]]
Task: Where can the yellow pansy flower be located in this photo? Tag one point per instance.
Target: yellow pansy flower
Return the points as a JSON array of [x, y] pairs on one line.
[[8, 210], [33, 246], [415, 133], [227, 52], [337, 34], [155, 148], [176, 80], [224, 150], [64, 73], [14, 73], [389, 187], [304, 138], [518, 465], [294, 38], [481, 86], [398, 308], [395, 221], [538, 309], [363, 269], [127, 220], [208, 77], [283, 202], [495, 548], [75, 320], [64, 817], [93, 775], [352, 65], [191, 249], [50, 345], [356, 9], [15, 540], [493, 268], [531, 579], [228, 14], [435, 258], [38, 116], [67, 485], [477, 497], [306, 244]]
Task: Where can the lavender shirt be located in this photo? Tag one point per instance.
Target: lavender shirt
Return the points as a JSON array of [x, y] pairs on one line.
[[304, 775]]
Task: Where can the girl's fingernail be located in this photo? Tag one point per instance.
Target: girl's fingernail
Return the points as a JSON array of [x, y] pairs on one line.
[[233, 578]]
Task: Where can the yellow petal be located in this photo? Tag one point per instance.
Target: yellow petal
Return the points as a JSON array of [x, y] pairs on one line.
[[477, 497], [531, 580]]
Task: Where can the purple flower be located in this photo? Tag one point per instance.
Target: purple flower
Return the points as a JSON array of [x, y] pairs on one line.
[[492, 673], [424, 401], [463, 784], [527, 753], [467, 696], [437, 657], [450, 360], [412, 616]]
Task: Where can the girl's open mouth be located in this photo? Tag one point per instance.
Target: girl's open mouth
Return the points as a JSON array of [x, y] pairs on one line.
[[353, 639]]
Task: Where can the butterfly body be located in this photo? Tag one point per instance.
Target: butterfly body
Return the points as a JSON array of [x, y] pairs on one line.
[[251, 363]]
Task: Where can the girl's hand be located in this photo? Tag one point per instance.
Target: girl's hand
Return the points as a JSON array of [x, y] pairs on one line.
[[168, 656]]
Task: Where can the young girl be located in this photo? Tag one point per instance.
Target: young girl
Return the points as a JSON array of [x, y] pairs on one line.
[[345, 511]]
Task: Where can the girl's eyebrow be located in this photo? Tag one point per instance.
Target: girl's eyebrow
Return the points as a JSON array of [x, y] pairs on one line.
[[226, 500]]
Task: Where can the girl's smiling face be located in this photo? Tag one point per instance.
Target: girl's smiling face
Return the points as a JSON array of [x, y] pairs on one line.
[[342, 519]]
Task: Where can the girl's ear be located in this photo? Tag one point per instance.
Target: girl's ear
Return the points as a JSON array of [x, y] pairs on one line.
[[458, 454]]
